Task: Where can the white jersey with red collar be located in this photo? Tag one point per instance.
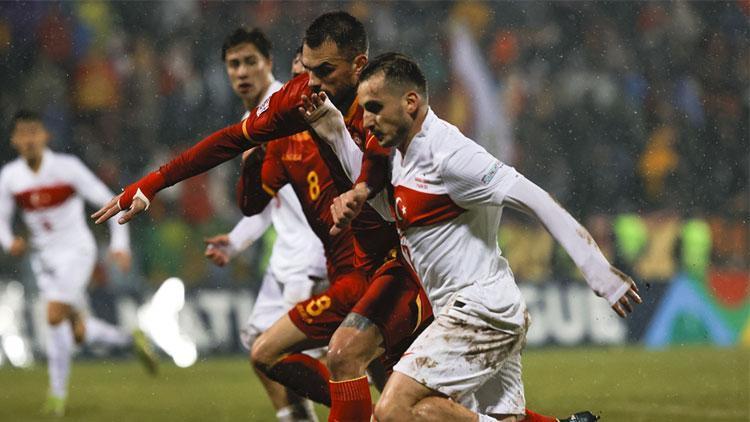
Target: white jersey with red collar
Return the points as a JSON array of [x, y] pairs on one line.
[[52, 203], [446, 196]]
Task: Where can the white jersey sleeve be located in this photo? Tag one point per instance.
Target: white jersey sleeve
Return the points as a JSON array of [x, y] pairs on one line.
[[95, 192], [474, 178], [328, 123], [7, 207], [605, 280], [248, 230]]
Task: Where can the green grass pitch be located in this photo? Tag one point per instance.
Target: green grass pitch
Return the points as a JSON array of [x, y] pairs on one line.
[[621, 384]]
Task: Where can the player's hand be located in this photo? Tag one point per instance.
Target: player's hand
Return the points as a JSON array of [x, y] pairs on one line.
[[122, 260], [217, 249], [113, 207], [324, 118], [311, 104], [134, 199], [623, 307], [18, 247], [347, 206]]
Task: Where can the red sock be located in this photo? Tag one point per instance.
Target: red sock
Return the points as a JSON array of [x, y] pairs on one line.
[[350, 400], [535, 417], [305, 376]]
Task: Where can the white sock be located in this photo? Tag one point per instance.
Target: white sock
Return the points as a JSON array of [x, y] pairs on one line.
[[104, 333], [59, 351], [485, 418], [298, 412]]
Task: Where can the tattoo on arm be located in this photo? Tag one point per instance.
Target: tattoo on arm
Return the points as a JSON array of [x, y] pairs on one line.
[[356, 321]]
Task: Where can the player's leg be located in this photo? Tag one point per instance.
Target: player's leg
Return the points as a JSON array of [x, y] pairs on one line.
[[94, 331], [385, 318], [270, 305], [309, 324], [355, 344], [406, 399], [59, 351], [450, 361], [277, 354]]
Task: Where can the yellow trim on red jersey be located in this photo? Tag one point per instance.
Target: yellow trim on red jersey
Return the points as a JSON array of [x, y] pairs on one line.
[[244, 130], [352, 110], [419, 313], [268, 189]]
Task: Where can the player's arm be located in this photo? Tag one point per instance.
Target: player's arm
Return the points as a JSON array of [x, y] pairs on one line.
[[274, 118], [254, 202], [95, 192], [369, 187], [13, 245], [221, 248], [473, 178], [368, 170]]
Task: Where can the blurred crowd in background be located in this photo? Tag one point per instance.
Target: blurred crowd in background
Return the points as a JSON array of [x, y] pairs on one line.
[[634, 115]]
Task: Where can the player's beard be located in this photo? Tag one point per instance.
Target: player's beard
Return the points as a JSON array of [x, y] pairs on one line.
[[343, 100]]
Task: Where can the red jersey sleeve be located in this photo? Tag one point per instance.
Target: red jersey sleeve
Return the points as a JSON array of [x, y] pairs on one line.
[[375, 166], [279, 116], [274, 175], [251, 197], [275, 118]]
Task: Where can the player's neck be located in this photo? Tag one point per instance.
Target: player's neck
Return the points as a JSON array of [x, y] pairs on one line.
[[251, 103], [34, 163], [416, 127]]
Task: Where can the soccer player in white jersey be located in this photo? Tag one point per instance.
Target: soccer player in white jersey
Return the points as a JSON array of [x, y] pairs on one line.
[[297, 260], [50, 189], [446, 194]]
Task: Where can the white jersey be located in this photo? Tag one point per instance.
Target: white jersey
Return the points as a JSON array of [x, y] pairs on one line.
[[297, 253], [449, 227], [52, 203], [447, 200]]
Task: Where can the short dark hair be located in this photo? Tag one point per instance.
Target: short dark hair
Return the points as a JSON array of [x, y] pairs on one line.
[[241, 35], [397, 68], [24, 115], [343, 29]]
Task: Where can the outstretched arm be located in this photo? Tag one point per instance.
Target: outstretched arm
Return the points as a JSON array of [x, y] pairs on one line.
[[474, 178], [274, 118], [604, 279]]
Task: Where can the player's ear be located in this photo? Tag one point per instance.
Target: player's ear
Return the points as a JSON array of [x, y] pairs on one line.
[[413, 101], [359, 63]]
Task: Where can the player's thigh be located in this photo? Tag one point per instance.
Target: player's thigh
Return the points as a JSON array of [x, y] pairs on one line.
[[319, 316], [396, 303], [269, 307], [58, 312], [400, 395], [283, 337], [503, 394], [458, 353], [63, 274]]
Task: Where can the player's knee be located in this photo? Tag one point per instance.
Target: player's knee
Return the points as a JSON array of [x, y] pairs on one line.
[[55, 317], [345, 362], [261, 355], [389, 411], [79, 333]]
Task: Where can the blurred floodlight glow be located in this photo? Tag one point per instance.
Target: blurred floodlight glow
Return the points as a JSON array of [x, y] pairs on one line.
[[159, 319], [16, 350]]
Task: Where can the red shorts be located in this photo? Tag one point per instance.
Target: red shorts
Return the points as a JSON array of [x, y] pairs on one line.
[[319, 316], [396, 302]]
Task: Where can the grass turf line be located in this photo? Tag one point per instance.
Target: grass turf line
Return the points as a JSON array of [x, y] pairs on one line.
[[621, 384]]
